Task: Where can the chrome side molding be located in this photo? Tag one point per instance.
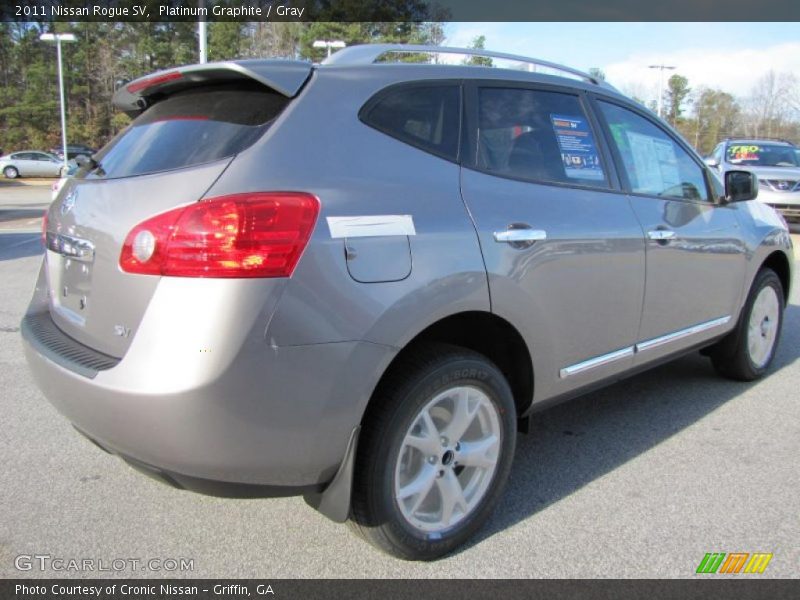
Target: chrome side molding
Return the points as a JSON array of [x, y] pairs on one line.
[[605, 359], [597, 361], [679, 335]]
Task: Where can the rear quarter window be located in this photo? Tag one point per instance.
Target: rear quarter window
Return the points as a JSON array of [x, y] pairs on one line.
[[424, 116], [192, 127]]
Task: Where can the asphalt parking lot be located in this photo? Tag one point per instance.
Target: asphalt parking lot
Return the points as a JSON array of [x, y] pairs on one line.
[[638, 480]]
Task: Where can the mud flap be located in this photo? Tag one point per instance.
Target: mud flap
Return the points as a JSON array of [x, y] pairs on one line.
[[334, 500]]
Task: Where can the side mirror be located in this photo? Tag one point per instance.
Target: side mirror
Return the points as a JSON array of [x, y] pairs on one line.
[[740, 186], [712, 162]]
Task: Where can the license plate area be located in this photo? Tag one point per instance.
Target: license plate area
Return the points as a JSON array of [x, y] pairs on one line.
[[70, 281]]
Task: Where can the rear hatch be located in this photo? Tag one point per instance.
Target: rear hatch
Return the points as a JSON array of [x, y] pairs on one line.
[[191, 124]]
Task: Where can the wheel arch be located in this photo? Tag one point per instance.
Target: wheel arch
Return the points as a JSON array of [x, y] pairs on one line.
[[779, 263], [489, 335]]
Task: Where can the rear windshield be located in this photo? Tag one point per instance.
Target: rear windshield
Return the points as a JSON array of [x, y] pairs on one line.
[[192, 127]]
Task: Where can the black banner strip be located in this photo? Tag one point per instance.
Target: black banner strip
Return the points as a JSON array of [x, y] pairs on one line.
[[705, 588], [399, 10]]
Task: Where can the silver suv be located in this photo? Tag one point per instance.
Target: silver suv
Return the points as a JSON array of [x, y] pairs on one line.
[[357, 281], [775, 162]]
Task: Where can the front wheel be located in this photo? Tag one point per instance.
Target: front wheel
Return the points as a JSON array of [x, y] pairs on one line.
[[435, 451], [747, 352]]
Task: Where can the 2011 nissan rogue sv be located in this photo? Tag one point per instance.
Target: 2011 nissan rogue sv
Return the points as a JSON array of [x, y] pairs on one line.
[[356, 281]]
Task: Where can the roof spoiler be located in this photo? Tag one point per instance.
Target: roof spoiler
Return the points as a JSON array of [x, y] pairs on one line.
[[284, 76]]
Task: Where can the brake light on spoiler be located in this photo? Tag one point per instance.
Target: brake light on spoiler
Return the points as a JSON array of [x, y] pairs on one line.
[[142, 84], [260, 234]]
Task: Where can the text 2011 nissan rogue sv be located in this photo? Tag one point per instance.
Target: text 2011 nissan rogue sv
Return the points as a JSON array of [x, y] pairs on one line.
[[356, 281]]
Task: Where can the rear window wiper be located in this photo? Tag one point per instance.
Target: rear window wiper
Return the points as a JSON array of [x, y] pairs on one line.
[[89, 163]]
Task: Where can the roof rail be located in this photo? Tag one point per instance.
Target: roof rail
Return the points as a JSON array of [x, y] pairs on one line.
[[367, 54]]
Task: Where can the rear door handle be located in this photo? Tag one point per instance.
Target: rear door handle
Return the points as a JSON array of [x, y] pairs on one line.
[[661, 235], [515, 236]]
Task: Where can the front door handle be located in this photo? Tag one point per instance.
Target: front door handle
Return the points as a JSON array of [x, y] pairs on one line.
[[516, 236], [661, 235]]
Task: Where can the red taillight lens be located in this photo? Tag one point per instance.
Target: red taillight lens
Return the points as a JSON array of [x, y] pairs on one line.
[[243, 235], [44, 229], [138, 86]]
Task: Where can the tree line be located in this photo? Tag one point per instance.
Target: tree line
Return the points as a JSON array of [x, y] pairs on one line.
[[108, 54], [706, 115]]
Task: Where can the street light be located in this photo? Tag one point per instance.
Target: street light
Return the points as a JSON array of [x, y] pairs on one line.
[[202, 33], [329, 44], [58, 38], [661, 69]]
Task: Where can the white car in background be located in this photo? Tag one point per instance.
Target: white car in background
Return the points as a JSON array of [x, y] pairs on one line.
[[30, 163]]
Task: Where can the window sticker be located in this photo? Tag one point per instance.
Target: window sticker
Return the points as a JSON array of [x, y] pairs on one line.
[[578, 150], [740, 153], [655, 163]]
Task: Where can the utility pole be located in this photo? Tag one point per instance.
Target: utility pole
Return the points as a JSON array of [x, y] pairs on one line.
[[202, 33], [661, 69], [58, 38]]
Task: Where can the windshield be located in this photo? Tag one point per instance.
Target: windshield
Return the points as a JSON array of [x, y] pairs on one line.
[[762, 155]]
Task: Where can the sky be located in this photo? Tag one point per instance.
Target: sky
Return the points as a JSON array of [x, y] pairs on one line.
[[729, 56]]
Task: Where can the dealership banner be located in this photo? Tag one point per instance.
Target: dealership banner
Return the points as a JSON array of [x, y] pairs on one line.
[[398, 10], [204, 589]]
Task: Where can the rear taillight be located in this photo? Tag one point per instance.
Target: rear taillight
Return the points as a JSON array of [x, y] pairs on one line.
[[142, 84], [243, 235], [44, 229]]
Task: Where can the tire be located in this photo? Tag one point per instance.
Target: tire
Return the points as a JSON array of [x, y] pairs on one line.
[[747, 352], [424, 389], [11, 172]]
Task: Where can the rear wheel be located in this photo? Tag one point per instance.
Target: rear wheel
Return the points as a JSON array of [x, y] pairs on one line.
[[748, 351], [434, 453], [11, 172]]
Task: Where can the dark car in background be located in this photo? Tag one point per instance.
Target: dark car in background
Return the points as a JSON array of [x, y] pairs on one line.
[[73, 151]]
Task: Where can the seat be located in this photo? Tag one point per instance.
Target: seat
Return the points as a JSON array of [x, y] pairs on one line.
[[533, 156]]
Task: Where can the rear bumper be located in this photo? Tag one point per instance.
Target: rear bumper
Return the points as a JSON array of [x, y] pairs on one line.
[[262, 421], [209, 487]]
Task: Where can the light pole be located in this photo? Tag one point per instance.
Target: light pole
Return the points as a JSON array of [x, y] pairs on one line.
[[329, 44], [202, 33], [661, 69], [58, 38]]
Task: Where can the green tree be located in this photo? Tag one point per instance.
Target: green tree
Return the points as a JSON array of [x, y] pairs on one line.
[[677, 93], [225, 40], [716, 116], [598, 74], [478, 43]]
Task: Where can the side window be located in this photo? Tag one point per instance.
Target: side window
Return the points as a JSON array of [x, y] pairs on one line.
[[717, 154], [655, 164], [536, 135], [23, 156], [427, 117]]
